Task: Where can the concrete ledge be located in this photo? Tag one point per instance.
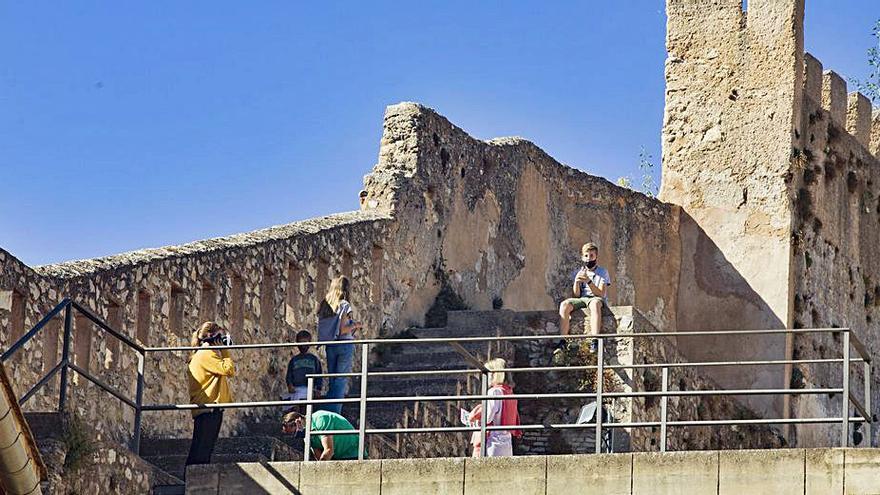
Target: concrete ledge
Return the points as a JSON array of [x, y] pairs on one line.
[[203, 479], [744, 472], [341, 478], [602, 474], [408, 476], [252, 477], [520, 475], [824, 471], [760, 472], [670, 472], [861, 471]]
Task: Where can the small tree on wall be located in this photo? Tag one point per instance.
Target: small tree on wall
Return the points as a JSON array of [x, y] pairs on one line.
[[646, 170], [870, 87]]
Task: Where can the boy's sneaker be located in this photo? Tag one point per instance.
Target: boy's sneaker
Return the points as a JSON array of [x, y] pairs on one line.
[[594, 346], [559, 349], [560, 345]]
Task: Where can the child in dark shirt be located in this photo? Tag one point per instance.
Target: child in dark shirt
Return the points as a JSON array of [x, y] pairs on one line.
[[302, 364]]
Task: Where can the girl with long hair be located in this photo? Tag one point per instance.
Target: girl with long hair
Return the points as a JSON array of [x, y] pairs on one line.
[[336, 322], [208, 374]]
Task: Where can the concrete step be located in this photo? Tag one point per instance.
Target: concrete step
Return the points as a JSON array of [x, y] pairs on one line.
[[176, 464], [268, 446], [169, 489], [438, 359], [170, 454], [45, 425]]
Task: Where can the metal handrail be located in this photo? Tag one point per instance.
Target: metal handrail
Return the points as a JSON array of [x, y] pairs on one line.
[[65, 363], [849, 338], [446, 340]]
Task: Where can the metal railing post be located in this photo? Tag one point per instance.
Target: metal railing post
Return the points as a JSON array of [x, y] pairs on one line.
[[870, 418], [139, 401], [663, 402], [308, 419], [65, 359], [484, 390], [362, 424], [600, 379], [844, 425]]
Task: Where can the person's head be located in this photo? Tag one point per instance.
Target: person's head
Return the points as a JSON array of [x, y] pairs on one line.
[[496, 377], [292, 422], [208, 333], [338, 291], [303, 336], [590, 254]]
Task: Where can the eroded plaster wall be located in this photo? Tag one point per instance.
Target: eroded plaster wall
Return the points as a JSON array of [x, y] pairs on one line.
[[501, 223], [733, 87]]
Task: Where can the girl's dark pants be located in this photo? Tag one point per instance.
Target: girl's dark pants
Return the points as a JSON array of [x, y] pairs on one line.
[[205, 430]]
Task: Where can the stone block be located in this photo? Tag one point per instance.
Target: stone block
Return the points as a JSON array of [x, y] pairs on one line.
[[874, 147], [674, 473], [812, 78], [834, 96], [602, 474], [341, 478], [407, 476], [759, 472], [824, 471], [862, 467], [858, 117], [202, 479], [520, 475], [258, 478]]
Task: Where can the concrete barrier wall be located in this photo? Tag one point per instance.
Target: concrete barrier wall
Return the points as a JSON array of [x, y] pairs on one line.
[[752, 472]]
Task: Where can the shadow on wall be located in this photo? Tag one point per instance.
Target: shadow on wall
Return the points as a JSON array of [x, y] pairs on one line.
[[714, 296]]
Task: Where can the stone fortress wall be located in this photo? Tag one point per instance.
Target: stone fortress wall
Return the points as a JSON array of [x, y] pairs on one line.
[[748, 233], [836, 232], [775, 167], [489, 222]]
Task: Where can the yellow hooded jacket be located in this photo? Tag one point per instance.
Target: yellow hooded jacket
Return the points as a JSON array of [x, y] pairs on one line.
[[208, 372]]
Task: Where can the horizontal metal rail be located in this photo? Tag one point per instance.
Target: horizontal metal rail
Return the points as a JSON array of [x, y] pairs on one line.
[[442, 398], [590, 367], [437, 340], [572, 426]]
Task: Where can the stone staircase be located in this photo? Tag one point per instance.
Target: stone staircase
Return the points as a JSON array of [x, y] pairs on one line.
[[170, 455]]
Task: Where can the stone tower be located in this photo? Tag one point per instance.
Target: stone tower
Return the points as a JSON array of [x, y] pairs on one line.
[[733, 83]]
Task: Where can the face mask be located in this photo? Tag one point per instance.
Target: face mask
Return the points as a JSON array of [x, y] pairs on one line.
[[591, 264]]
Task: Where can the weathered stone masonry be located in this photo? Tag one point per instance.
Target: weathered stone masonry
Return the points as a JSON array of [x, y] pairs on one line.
[[769, 197], [776, 169], [492, 222]]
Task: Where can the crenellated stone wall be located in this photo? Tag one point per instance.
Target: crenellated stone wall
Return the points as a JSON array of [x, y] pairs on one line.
[[775, 166], [836, 185]]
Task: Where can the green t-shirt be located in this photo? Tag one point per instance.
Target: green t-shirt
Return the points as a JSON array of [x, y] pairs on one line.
[[344, 446]]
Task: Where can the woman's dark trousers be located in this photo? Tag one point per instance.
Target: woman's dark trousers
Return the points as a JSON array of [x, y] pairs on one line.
[[205, 430]]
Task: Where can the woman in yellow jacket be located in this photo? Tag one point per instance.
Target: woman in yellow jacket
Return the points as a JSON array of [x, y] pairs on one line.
[[208, 372]]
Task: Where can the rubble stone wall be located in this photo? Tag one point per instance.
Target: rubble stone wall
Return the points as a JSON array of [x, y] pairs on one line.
[[448, 222], [836, 187]]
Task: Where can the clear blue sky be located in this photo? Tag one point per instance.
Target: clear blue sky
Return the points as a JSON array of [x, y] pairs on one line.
[[126, 125]]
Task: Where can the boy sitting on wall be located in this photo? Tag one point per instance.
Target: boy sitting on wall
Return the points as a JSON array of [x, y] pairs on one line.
[[590, 291]]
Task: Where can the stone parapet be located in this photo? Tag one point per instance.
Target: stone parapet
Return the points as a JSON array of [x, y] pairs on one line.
[[758, 472]]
